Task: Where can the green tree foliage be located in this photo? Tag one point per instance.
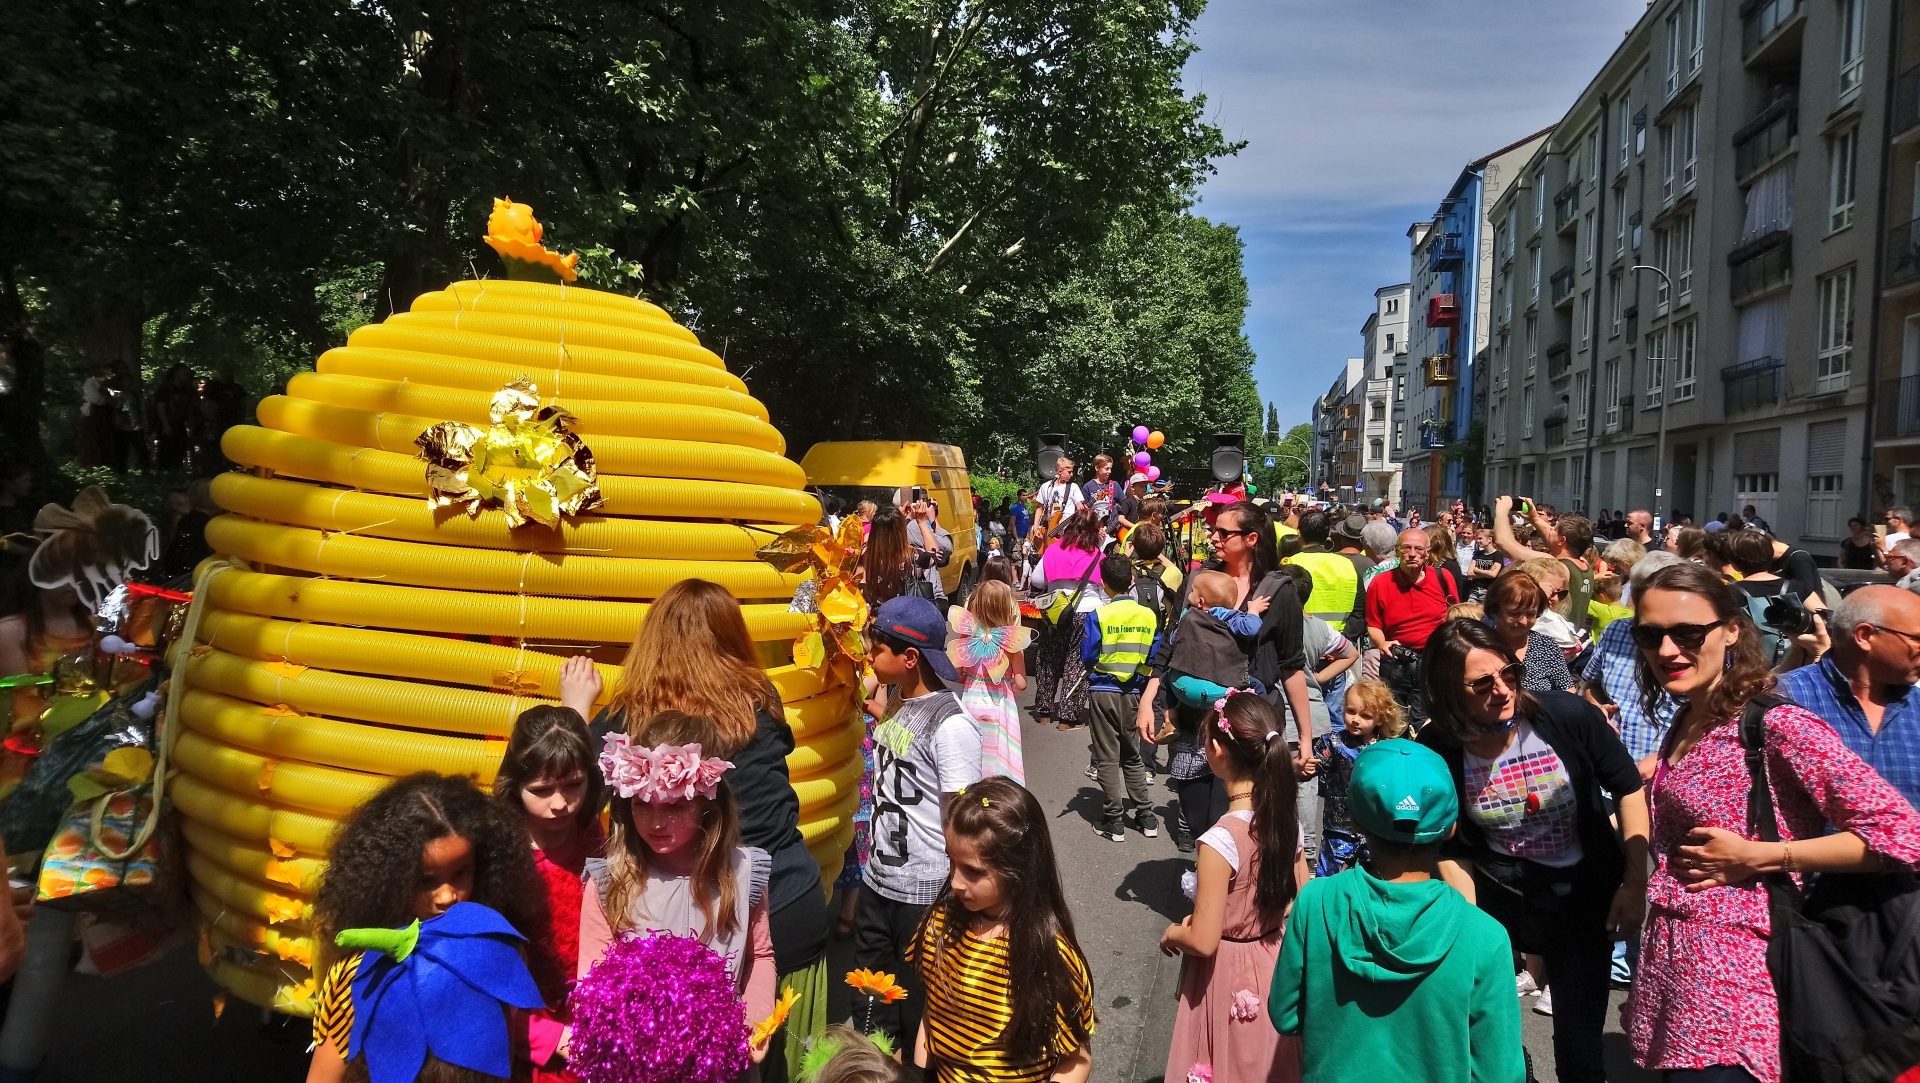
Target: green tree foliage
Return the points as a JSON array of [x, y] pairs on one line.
[[961, 220], [1290, 457]]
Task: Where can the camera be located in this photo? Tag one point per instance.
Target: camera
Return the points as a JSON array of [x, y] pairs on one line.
[[1787, 615], [1403, 653]]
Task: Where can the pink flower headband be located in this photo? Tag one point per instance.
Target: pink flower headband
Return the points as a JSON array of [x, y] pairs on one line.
[[664, 773], [1220, 712]]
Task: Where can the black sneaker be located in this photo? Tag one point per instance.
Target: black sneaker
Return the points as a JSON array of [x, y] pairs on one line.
[[1182, 838], [1147, 825], [1114, 830]]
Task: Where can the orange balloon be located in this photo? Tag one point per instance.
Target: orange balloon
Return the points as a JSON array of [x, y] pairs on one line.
[[1155, 439]]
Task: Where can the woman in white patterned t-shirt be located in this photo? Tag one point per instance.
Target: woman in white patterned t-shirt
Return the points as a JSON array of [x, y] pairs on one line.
[[1539, 774]]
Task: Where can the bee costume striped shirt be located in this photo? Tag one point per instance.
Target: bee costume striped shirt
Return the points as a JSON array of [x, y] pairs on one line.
[[969, 1003]]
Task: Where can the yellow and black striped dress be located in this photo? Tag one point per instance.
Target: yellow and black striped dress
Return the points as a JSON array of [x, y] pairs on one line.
[[969, 1003], [333, 1017]]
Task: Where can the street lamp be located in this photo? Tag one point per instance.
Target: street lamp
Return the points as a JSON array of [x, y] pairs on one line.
[[1660, 449]]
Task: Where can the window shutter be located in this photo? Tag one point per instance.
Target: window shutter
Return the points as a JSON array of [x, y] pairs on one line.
[[1757, 452], [1827, 447]]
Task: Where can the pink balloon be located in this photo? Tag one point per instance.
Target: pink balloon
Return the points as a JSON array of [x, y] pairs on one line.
[[1140, 434], [1142, 460], [1153, 473]]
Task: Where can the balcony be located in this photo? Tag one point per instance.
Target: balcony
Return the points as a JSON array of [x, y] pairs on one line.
[[1351, 409], [1761, 266], [1559, 361], [1445, 253], [1566, 206], [1766, 137], [1770, 31], [1440, 369], [1754, 384], [1906, 102], [1904, 408], [1562, 282], [1903, 255], [1443, 310]]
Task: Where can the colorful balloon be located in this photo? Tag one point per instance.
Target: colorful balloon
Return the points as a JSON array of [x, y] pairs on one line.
[[1153, 473], [1139, 434], [1155, 439], [1142, 460]]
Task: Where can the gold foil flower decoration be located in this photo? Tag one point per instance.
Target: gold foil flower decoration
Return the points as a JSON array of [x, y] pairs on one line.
[[515, 233], [529, 463], [835, 600]]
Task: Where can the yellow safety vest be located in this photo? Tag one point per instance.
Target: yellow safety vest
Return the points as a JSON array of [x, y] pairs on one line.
[[1335, 584], [1126, 635]]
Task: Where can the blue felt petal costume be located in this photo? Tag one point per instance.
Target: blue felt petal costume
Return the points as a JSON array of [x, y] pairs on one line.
[[440, 989]]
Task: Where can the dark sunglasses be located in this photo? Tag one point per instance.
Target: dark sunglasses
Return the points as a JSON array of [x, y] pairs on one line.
[[1688, 637], [1557, 596], [1223, 532], [1511, 675]]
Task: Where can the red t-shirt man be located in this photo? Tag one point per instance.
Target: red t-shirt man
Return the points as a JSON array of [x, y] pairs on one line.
[[1407, 612]]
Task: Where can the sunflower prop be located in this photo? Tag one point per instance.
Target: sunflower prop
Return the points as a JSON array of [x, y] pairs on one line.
[[765, 1028], [529, 463]]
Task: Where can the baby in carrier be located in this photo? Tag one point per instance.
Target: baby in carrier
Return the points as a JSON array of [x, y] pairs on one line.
[[1207, 660]]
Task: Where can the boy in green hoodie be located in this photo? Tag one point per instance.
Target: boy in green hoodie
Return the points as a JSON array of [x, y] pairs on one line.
[[1385, 971]]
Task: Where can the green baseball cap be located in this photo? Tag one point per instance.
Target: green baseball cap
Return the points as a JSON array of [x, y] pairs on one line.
[[1402, 792]]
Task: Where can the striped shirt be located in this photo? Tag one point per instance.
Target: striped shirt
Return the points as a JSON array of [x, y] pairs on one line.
[[969, 1004], [333, 1016]]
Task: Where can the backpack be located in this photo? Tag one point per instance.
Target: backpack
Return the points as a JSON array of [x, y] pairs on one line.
[[1844, 956], [1150, 592]]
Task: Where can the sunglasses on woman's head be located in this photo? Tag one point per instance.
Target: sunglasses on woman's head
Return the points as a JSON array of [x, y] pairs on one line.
[[1510, 675], [1688, 637]]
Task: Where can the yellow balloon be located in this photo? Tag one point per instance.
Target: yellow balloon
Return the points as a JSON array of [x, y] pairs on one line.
[[1155, 439]]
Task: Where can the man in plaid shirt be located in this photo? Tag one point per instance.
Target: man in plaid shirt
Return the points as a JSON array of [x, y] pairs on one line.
[[1863, 688], [1613, 675]]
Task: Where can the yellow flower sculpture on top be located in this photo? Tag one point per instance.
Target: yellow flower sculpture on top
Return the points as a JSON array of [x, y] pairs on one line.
[[515, 233], [838, 639], [529, 463]]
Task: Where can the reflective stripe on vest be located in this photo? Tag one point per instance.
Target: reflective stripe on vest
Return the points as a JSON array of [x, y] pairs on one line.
[[1126, 635], [1335, 584]]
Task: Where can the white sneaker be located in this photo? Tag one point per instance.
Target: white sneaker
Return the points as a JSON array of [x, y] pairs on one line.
[[1523, 985], [1544, 1006]]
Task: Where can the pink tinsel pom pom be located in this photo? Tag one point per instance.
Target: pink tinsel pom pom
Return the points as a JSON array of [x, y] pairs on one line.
[[658, 1009], [1200, 1073]]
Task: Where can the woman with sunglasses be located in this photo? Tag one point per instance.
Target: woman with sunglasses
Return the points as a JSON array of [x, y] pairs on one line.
[[1535, 846], [1703, 1001], [1513, 605]]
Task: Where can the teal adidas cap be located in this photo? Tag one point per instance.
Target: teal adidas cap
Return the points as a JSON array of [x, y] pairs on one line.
[[1402, 792]]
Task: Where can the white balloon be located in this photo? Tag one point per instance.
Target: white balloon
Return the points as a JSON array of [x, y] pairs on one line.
[[116, 645]]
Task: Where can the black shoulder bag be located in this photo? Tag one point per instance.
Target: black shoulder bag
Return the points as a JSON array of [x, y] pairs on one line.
[[1844, 956]]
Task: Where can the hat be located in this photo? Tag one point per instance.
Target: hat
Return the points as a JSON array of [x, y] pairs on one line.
[[917, 622], [1136, 479], [1351, 526], [1379, 501], [1402, 792], [1715, 527]]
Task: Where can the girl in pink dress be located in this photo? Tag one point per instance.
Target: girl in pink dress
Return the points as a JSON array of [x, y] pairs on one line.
[[1251, 865], [988, 646], [1702, 998]]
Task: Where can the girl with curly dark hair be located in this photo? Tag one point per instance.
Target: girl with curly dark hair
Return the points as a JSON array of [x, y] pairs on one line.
[[408, 854]]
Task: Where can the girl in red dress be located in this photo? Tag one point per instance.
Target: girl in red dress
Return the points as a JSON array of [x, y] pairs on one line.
[[549, 778]]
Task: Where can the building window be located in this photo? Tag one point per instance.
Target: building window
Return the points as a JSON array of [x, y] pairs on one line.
[[1688, 134], [1656, 365], [1593, 242], [1373, 451], [1399, 437], [1825, 514], [1682, 253], [1842, 155], [1610, 393], [1685, 339], [1539, 198], [1378, 410], [1526, 421], [1662, 246], [1593, 157], [1393, 306], [1668, 164], [1389, 341], [1760, 490], [1853, 46], [1586, 317], [1533, 343], [1697, 12], [1534, 295], [1399, 392], [1613, 289], [1675, 48], [1579, 402], [1619, 221], [1626, 133], [1835, 366]]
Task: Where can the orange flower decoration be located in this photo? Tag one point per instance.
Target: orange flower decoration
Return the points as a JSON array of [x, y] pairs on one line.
[[515, 233], [877, 985], [764, 1029]]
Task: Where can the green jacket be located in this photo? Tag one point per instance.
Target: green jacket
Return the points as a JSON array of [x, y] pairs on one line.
[[1404, 982]]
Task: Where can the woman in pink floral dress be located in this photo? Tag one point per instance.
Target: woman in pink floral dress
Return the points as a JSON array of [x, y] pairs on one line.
[[1703, 1007]]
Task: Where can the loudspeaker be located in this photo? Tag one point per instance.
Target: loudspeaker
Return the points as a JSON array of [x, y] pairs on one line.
[[1229, 456], [1048, 451]]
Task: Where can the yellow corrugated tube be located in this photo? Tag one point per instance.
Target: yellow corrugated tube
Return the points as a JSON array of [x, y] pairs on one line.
[[350, 632]]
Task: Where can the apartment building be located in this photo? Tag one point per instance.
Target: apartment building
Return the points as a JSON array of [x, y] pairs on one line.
[[1687, 251], [1894, 465], [1384, 345], [1454, 312], [1336, 468]]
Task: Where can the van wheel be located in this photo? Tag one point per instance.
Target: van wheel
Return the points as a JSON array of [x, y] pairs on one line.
[[969, 578]]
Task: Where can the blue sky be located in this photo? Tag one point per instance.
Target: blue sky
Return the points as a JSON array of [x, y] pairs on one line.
[[1358, 116]]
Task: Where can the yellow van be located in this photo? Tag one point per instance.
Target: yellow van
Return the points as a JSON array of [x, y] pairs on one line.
[[879, 470]]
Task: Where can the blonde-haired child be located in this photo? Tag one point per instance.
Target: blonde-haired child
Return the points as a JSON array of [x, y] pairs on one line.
[[987, 644], [1466, 611], [1372, 714]]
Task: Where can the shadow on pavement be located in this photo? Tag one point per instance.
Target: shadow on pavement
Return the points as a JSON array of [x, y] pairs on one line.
[[1156, 885]]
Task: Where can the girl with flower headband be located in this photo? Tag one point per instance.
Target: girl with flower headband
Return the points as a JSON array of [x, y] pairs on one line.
[[674, 861], [1252, 862]]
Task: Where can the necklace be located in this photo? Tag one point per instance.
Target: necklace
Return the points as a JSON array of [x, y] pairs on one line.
[[1240, 796]]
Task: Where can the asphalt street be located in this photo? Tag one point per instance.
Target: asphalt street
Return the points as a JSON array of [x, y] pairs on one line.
[[158, 1023]]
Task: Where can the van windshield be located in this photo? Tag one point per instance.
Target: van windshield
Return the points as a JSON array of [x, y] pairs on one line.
[[850, 496]]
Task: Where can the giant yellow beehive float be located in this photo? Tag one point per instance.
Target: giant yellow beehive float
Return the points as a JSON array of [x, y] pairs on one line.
[[419, 539]]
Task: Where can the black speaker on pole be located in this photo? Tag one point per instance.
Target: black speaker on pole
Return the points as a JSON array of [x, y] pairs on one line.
[[1049, 449], [1229, 456]]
